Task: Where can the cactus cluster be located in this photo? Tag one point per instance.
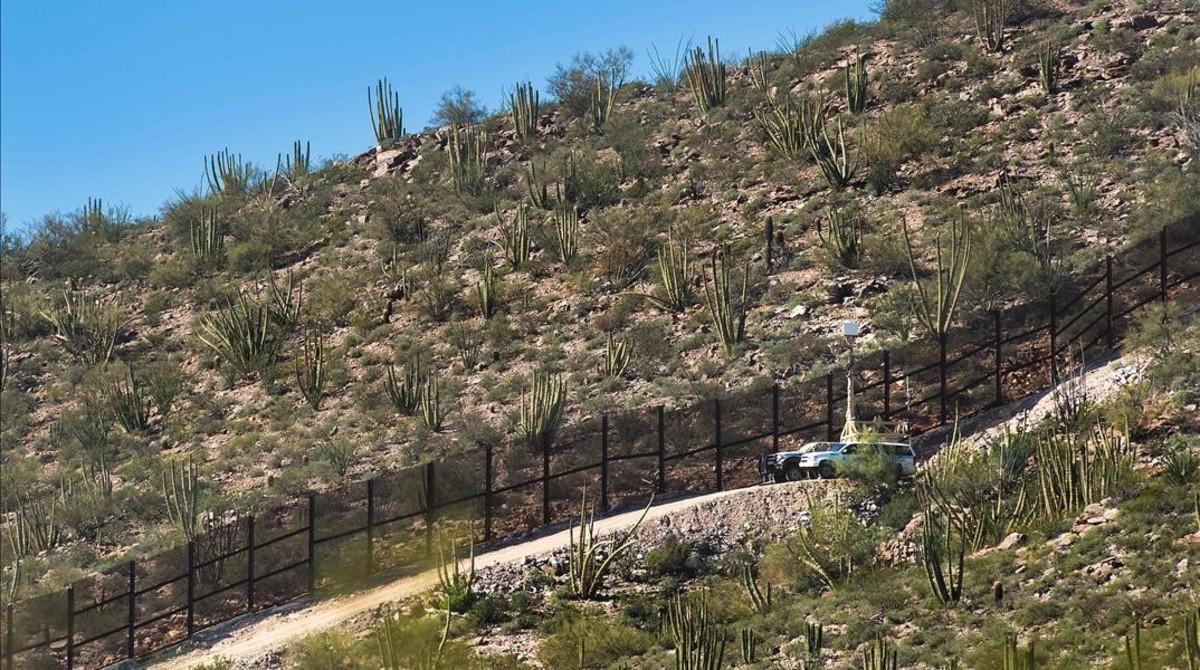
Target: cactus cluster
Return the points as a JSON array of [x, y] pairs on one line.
[[833, 158], [1017, 657], [726, 308], [486, 289], [208, 238], [814, 646], [1191, 635], [616, 358], [566, 231], [286, 302], [465, 149], [943, 553], [791, 125], [841, 234], [524, 109], [1072, 473], [591, 558], [433, 413], [706, 76], [760, 600], [542, 409], [1049, 67], [180, 481], [991, 17], [227, 174], [405, 392], [935, 309], [130, 407], [536, 187], [37, 524], [457, 585], [756, 68], [748, 642], [603, 97], [310, 369], [699, 642], [515, 241], [880, 655], [86, 328], [241, 335], [387, 118], [855, 76], [296, 164]]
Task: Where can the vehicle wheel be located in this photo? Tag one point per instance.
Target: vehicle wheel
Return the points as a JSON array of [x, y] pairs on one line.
[[793, 473], [826, 470]]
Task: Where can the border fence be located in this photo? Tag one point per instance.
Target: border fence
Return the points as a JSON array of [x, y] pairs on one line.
[[254, 562]]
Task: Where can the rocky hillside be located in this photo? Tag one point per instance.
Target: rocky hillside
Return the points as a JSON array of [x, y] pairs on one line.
[[284, 330]]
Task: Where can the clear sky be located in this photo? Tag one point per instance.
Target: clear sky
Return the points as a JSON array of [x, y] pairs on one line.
[[121, 100]]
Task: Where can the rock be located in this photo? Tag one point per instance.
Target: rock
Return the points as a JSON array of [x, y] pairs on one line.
[[1013, 540], [798, 310], [1144, 22]]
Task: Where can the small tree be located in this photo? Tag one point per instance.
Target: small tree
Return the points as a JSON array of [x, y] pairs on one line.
[[458, 107]]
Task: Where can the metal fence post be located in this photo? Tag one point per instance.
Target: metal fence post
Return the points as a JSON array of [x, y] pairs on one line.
[[717, 444], [1109, 335], [129, 640], [661, 484], [775, 417], [371, 526], [1162, 264], [604, 463], [996, 343], [250, 562], [191, 588], [546, 480], [887, 384], [829, 406], [942, 378], [312, 542], [488, 476], [1053, 340], [71, 627]]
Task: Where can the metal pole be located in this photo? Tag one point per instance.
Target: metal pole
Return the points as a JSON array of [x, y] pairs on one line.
[[487, 491], [996, 344], [829, 406], [129, 640], [604, 463], [546, 480], [1110, 336], [775, 417], [191, 588], [250, 562], [1162, 264], [312, 542], [662, 451], [717, 444], [371, 526], [887, 384], [71, 627]]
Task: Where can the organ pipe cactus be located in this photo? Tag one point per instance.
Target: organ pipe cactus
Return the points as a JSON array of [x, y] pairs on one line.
[[832, 156], [1191, 637], [880, 656], [991, 17], [936, 310], [842, 236], [1017, 658], [591, 558], [524, 109], [432, 414], [38, 524], [387, 118], [240, 335], [486, 289], [227, 173], [286, 301], [457, 585], [85, 328], [1049, 65], [814, 645], [515, 242], [405, 392], [761, 600], [542, 409], [310, 369], [943, 555], [699, 643], [465, 150], [566, 230], [706, 76], [676, 276], [616, 358], [748, 642], [604, 96], [791, 124], [756, 67], [296, 164], [208, 240], [536, 187], [727, 310], [1072, 474], [129, 406], [181, 493], [856, 84]]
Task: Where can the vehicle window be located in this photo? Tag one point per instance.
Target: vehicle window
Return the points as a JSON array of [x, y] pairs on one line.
[[850, 449]]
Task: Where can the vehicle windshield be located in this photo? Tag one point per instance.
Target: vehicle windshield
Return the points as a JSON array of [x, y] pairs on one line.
[[813, 447]]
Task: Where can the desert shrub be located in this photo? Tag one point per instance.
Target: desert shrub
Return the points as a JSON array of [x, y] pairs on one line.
[[1171, 346], [331, 298], [458, 107], [833, 546], [328, 650], [625, 241], [589, 180], [1181, 460], [573, 84], [870, 467], [1106, 132], [604, 640], [898, 135], [671, 557]]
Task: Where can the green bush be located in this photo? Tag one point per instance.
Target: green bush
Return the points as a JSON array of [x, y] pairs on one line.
[[672, 557]]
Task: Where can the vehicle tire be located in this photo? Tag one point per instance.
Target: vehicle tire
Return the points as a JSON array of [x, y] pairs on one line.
[[826, 470], [793, 473]]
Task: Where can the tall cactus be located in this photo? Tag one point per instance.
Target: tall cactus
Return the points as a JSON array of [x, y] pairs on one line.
[[485, 290], [457, 585], [465, 150], [727, 310], [227, 173], [675, 276], [748, 643], [566, 231], [881, 656], [855, 76], [936, 311], [515, 242], [1017, 658], [240, 335], [761, 600], [832, 156], [296, 164], [943, 555], [208, 238], [604, 96], [1191, 636], [405, 392], [842, 236], [86, 328], [524, 108], [432, 412], [814, 646], [791, 124], [130, 407], [616, 358], [181, 493], [590, 557], [706, 76], [699, 642], [536, 187], [310, 369], [387, 118], [1049, 66], [991, 17], [286, 301], [38, 524], [542, 409]]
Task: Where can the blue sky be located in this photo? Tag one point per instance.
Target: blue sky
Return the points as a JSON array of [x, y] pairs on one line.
[[121, 100]]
